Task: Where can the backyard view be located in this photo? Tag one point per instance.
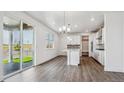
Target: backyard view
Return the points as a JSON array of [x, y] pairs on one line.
[[16, 55], [12, 46], [27, 47]]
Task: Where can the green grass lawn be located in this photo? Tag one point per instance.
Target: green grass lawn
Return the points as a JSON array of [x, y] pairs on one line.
[[17, 60]]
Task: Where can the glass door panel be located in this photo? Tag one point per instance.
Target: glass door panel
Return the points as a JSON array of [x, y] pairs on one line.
[[11, 45], [17, 46], [27, 46]]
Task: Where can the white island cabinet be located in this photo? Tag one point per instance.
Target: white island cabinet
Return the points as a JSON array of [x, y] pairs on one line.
[[73, 54]]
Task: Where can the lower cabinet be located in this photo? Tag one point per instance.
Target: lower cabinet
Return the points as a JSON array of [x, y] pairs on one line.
[[99, 56]]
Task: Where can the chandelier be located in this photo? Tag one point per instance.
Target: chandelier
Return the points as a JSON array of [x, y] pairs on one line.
[[65, 28]]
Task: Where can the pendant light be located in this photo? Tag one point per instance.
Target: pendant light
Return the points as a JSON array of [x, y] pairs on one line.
[[65, 29]]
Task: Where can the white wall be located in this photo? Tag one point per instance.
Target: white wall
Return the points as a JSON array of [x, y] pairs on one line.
[[63, 42], [114, 25], [44, 54]]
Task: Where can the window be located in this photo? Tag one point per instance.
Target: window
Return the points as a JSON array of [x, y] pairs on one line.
[[50, 40]]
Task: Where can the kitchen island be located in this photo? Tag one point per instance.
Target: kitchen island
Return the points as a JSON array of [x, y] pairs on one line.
[[73, 54]]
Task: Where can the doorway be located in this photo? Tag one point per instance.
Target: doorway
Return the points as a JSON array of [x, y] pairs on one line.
[[17, 44], [85, 45]]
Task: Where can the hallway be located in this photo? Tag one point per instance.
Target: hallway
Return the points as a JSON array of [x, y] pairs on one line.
[[56, 70]]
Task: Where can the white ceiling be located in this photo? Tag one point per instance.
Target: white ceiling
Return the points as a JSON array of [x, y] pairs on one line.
[[80, 21]]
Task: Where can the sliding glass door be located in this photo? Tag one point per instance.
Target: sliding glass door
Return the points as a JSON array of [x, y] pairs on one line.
[[11, 45], [17, 46], [27, 45]]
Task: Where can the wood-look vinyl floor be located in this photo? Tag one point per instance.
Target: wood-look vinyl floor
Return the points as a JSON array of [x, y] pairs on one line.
[[56, 70]]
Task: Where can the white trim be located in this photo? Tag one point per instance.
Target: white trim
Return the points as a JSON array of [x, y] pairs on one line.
[[34, 44], [21, 42], [1, 40]]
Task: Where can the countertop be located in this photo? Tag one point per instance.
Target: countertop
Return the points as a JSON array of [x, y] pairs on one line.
[[73, 46]]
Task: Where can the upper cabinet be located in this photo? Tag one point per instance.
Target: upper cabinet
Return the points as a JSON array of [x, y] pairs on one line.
[[100, 39]]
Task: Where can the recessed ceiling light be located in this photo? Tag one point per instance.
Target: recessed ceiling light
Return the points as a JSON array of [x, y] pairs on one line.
[[68, 29], [60, 29], [75, 26], [92, 19]]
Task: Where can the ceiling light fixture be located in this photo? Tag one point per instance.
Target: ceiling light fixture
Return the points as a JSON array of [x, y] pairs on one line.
[[60, 29], [64, 28], [68, 29], [92, 19], [76, 26]]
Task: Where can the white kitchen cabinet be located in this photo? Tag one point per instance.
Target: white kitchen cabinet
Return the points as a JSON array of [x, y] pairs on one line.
[[73, 56], [98, 46], [101, 57]]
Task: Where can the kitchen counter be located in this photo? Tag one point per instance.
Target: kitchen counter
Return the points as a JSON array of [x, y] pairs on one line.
[[100, 49]]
